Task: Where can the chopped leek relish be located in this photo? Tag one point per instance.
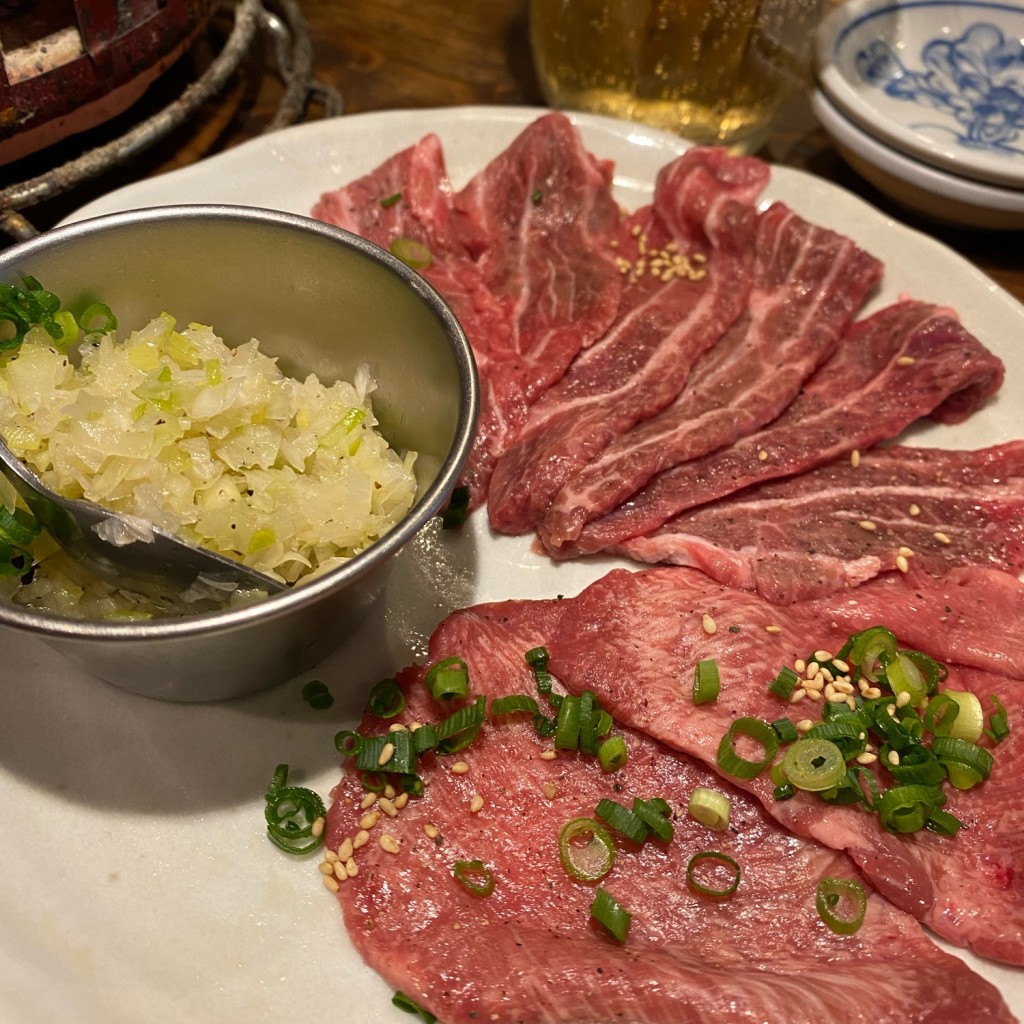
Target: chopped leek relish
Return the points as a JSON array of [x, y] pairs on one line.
[[897, 719]]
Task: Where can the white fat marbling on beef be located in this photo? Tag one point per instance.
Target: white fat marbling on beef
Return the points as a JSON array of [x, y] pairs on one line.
[[808, 285], [703, 213], [834, 527], [908, 360]]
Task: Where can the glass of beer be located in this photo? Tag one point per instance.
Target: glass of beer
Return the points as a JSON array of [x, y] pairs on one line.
[[714, 71]]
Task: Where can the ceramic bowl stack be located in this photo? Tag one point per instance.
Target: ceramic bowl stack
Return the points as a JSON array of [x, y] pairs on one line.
[[925, 99]]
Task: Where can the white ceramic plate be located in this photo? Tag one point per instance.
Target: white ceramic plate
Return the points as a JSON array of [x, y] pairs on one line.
[[929, 191], [939, 80], [138, 884]]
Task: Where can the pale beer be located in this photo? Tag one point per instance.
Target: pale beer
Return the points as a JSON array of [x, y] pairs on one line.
[[714, 71]]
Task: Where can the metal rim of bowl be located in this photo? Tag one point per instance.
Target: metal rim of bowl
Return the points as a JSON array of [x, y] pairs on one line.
[[428, 504]]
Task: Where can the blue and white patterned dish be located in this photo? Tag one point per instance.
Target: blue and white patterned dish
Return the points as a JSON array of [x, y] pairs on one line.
[[939, 80], [929, 191]]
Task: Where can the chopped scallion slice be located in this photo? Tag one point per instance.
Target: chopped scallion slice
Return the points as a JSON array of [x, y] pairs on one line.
[[411, 252], [386, 699], [474, 876], [567, 729], [814, 765], [998, 722], [316, 695], [656, 815], [456, 512], [784, 683], [622, 819], [390, 200], [292, 813], [448, 678], [731, 763], [710, 808], [586, 849], [403, 1002], [785, 730], [612, 754], [718, 864], [841, 904], [610, 914], [706, 684]]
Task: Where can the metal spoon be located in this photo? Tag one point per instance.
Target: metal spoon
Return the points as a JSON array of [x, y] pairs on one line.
[[156, 563]]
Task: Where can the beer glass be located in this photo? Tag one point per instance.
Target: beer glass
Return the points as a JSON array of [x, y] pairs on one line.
[[714, 71]]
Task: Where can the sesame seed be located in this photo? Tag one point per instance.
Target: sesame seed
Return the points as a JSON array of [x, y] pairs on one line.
[[326, 867], [388, 807], [386, 753], [317, 828], [906, 552], [401, 800], [548, 755], [906, 361], [866, 758], [351, 868], [891, 710], [390, 791], [941, 537], [388, 843], [709, 624], [855, 458], [799, 665], [762, 455], [476, 803], [397, 727], [773, 629], [367, 821], [841, 665], [804, 724], [872, 693], [915, 510], [902, 564], [797, 695], [867, 524], [816, 683], [812, 669], [368, 801], [814, 694], [851, 703], [550, 790], [338, 870], [361, 838], [842, 686], [413, 726], [902, 699], [345, 850], [431, 831], [820, 656], [893, 757], [831, 693], [331, 883], [329, 854], [460, 768]]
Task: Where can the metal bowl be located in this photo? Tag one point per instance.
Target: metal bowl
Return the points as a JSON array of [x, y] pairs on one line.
[[323, 301]]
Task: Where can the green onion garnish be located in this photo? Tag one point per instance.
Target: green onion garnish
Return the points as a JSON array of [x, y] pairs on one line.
[[403, 1002], [656, 815], [784, 683], [622, 819], [966, 762], [998, 723], [316, 695], [411, 252], [567, 727], [841, 904], [731, 763], [710, 808], [705, 682], [536, 196], [390, 200], [612, 754], [448, 678], [460, 728], [586, 849], [292, 814], [98, 319], [717, 862], [904, 809], [456, 512], [386, 699], [785, 730], [610, 914], [944, 823], [814, 765], [474, 876]]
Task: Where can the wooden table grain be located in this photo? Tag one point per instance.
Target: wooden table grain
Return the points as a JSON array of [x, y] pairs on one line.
[[389, 54]]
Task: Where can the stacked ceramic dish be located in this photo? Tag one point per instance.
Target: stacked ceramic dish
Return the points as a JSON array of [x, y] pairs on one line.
[[925, 99]]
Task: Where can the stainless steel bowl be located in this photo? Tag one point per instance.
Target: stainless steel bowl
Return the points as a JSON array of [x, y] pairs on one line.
[[323, 301]]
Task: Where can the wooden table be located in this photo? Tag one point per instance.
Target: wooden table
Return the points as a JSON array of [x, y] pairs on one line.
[[384, 54]]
